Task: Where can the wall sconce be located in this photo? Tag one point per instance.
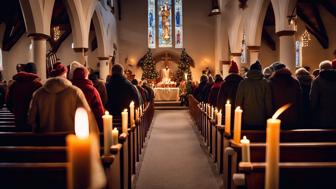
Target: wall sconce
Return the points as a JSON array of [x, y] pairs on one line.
[[215, 10], [292, 19]]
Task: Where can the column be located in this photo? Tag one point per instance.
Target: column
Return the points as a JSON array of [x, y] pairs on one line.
[[81, 56], [103, 67], [287, 49], [254, 52], [39, 43]]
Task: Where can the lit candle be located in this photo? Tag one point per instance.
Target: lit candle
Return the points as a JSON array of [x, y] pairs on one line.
[[237, 124], [137, 114], [132, 113], [208, 109], [245, 145], [124, 121], [115, 136], [79, 150], [228, 117], [272, 149], [107, 123], [212, 112], [219, 118], [140, 110]]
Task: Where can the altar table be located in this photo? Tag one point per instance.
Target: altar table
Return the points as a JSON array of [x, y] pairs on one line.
[[166, 94]]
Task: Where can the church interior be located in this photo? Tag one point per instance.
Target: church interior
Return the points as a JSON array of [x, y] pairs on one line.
[[153, 94]]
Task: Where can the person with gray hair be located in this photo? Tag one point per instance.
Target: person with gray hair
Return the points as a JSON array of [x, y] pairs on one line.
[[322, 97]]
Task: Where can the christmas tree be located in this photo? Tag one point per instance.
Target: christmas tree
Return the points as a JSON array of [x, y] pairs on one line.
[[148, 67], [184, 66]]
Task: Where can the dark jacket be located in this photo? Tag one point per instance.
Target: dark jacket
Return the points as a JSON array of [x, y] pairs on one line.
[[198, 93], [206, 91], [305, 112], [286, 90], [93, 98], [100, 86], [322, 96], [150, 92], [20, 94], [212, 99], [120, 93], [254, 97]]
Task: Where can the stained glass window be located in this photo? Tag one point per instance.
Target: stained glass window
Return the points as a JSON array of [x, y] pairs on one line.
[[178, 24], [151, 23], [244, 50], [298, 54], [165, 27]]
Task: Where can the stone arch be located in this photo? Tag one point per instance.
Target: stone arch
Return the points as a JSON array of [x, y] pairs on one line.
[[98, 23], [282, 9]]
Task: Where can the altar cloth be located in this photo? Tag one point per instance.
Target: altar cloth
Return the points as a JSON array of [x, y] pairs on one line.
[[166, 94]]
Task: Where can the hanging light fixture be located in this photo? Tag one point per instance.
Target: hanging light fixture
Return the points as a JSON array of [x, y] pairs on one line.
[[292, 19], [305, 38], [215, 10], [242, 4]]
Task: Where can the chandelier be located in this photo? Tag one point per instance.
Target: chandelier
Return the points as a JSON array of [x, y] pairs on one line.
[[305, 38]]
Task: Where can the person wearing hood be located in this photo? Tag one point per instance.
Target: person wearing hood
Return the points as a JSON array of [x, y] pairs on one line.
[[25, 83], [305, 80], [255, 99], [53, 106], [206, 90], [213, 94], [228, 89], [198, 90], [286, 90], [120, 92], [322, 97], [80, 80]]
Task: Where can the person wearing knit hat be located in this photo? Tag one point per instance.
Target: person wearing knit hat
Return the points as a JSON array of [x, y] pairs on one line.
[[53, 106], [255, 99], [325, 65], [256, 66], [80, 80], [334, 64], [233, 67], [73, 66]]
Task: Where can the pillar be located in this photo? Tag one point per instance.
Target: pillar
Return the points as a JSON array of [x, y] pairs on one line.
[[253, 53], [39, 43], [103, 67], [287, 49], [81, 56]]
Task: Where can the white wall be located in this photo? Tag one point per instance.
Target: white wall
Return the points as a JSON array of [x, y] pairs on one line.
[[198, 34]]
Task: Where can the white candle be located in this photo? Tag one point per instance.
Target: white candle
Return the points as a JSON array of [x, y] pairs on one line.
[[219, 118], [137, 114], [228, 117], [140, 108], [107, 123], [237, 124], [212, 112], [124, 121], [245, 145], [132, 113], [79, 150], [115, 136]]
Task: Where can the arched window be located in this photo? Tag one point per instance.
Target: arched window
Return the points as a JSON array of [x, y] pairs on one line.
[[298, 54], [161, 29], [1, 66]]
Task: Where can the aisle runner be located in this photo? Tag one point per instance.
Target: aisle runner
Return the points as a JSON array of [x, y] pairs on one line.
[[174, 157]]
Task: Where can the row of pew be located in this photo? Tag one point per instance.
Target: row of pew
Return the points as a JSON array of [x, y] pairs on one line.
[[36, 160], [307, 156]]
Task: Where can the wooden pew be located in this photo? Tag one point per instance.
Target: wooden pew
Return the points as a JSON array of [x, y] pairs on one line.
[[307, 175]]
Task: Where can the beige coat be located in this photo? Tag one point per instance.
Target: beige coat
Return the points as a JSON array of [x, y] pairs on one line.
[[53, 107]]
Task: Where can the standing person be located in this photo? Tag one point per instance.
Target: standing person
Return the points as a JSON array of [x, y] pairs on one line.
[[322, 95], [100, 86], [149, 90], [198, 90], [24, 84], [286, 90], [120, 92], [305, 80], [54, 105], [212, 99], [206, 90], [80, 80], [254, 97]]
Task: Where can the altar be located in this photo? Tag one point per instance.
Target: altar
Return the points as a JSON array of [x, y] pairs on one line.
[[167, 94]]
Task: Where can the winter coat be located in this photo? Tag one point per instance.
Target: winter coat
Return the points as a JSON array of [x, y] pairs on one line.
[[19, 95], [286, 90], [305, 112], [100, 86], [150, 92], [228, 91], [206, 91], [212, 99], [93, 98], [120, 93], [322, 97], [54, 105], [254, 98], [198, 93]]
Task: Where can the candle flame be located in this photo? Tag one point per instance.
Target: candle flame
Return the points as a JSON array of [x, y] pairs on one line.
[[132, 103], [228, 102], [280, 111], [238, 108], [107, 113], [244, 137], [81, 123], [125, 110]]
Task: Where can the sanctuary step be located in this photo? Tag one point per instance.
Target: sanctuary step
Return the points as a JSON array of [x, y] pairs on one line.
[[169, 105]]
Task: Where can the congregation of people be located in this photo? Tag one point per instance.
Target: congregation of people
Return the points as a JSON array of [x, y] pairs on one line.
[[260, 92], [51, 106]]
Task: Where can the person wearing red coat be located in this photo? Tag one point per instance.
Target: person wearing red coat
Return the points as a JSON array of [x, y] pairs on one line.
[[20, 92], [286, 89], [80, 80], [212, 99]]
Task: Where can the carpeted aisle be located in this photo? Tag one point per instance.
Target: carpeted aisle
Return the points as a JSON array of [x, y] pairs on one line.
[[174, 158]]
